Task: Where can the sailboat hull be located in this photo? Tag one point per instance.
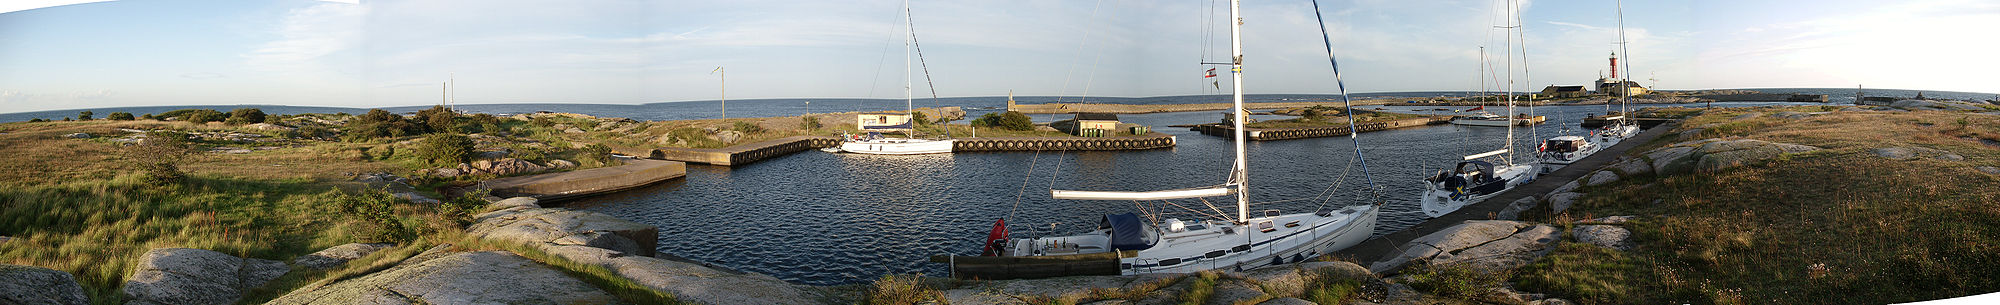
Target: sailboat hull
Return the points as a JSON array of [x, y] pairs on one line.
[[1265, 241], [1438, 201], [897, 146]]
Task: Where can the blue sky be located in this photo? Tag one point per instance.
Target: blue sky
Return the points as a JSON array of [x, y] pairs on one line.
[[390, 53]]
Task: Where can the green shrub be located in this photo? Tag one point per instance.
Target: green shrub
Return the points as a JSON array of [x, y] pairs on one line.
[[85, 115], [595, 154], [748, 128], [119, 116], [918, 118], [196, 115], [1451, 281], [378, 123], [158, 157], [902, 290], [810, 123], [1016, 121], [542, 122], [242, 116], [37, 120], [445, 149], [148, 116], [437, 119]]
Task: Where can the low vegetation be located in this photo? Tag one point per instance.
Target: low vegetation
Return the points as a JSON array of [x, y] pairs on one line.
[[1836, 226]]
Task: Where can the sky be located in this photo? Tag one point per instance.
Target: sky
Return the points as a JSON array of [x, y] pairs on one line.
[[69, 54]]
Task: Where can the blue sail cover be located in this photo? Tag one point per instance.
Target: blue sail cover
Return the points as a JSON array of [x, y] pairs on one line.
[[1127, 233]]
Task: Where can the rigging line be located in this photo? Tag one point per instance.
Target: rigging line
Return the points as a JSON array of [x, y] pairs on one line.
[[1335, 63], [1079, 53], [927, 70], [1521, 32], [1217, 216], [1024, 184], [1099, 57], [883, 60]]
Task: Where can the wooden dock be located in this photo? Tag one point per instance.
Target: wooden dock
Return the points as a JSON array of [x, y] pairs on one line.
[[741, 154], [1271, 134], [1384, 247]]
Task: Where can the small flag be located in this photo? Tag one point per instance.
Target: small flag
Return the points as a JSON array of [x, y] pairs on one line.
[[1481, 107], [1211, 73]]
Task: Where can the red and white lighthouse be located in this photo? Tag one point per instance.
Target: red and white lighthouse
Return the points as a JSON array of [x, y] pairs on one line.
[[1614, 65]]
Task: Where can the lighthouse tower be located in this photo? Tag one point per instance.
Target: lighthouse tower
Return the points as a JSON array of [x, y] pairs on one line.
[[1614, 65]]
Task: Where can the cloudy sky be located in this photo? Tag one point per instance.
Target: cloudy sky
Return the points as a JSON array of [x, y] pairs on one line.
[[85, 54]]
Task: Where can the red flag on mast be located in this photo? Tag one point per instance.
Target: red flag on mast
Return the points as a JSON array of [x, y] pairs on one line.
[[1211, 73], [1481, 107]]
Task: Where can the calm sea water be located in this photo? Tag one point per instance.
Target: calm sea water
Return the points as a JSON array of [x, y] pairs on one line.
[[821, 218]]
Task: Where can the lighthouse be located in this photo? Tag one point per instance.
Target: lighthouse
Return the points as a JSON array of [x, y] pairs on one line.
[[1614, 65]]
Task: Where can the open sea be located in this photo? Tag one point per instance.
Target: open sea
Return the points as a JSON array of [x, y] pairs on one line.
[[825, 219]]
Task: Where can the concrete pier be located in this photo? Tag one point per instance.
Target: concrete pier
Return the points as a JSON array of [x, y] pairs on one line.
[[1151, 140], [744, 153], [1270, 134], [573, 184], [1381, 247]]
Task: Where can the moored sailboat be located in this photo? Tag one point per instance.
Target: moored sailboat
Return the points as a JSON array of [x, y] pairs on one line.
[[874, 142], [1124, 244], [1473, 180]]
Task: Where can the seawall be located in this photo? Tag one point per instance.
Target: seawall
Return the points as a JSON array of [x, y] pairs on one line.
[[752, 152], [1270, 134]]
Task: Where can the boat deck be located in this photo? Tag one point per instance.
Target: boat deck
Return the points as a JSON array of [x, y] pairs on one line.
[[1376, 249]]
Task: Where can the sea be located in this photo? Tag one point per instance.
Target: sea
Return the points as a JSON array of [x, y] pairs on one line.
[[828, 219]]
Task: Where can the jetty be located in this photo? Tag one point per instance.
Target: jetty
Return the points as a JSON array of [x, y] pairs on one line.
[[573, 184], [742, 154], [1382, 247], [1272, 134]]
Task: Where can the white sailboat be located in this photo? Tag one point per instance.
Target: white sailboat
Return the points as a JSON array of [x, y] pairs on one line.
[[1625, 127], [875, 143], [1472, 180], [1126, 244]]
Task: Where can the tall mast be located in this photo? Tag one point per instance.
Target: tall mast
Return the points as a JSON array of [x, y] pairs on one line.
[[1241, 172], [909, 76], [1624, 91], [1510, 87]]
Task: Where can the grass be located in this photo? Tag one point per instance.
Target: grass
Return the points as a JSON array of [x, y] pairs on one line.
[[75, 205], [1202, 287], [1837, 226], [1451, 281], [902, 290]]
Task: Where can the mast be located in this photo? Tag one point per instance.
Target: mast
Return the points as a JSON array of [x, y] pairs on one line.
[[1624, 91], [1510, 89], [909, 28], [1241, 173]]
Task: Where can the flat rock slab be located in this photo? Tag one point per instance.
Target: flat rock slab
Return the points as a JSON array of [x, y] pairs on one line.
[[690, 282], [177, 276], [489, 277], [338, 255], [37, 285], [1486, 245], [1236, 292], [562, 226], [1908, 153]]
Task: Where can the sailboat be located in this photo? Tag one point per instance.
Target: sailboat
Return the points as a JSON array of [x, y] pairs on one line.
[[874, 142], [1473, 180], [1624, 127], [1126, 244]]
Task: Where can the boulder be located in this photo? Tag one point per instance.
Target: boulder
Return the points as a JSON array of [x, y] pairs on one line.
[[507, 166], [1560, 202], [1689, 134], [729, 136], [78, 136], [572, 130], [338, 255], [488, 277], [1600, 178], [1235, 292], [1565, 188], [545, 225], [1671, 160], [1609, 219], [446, 172], [562, 164], [1907, 153], [177, 276], [37, 285], [269, 127], [1287, 301], [1984, 169], [1608, 236], [1514, 209], [1732, 153], [1632, 168], [528, 202]]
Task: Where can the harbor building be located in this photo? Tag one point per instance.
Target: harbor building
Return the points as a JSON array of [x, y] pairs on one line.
[[882, 121], [1553, 91], [1084, 123], [1610, 85]]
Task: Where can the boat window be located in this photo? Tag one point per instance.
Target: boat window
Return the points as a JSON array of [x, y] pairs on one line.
[[1196, 227], [1292, 224], [1170, 262], [1215, 254]]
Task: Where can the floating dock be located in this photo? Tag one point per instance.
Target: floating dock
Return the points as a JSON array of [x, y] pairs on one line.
[[741, 154], [1382, 247], [1272, 134]]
